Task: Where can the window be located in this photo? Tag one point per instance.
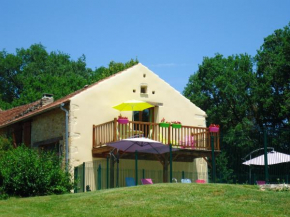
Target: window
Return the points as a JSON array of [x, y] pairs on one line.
[[143, 89]]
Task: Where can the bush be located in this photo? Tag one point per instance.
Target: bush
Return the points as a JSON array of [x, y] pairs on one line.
[[5, 145], [29, 172]]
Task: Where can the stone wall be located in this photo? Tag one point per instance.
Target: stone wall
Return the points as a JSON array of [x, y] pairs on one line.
[[48, 125]]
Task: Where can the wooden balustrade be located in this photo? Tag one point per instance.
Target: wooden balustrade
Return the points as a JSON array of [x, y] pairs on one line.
[[186, 137]]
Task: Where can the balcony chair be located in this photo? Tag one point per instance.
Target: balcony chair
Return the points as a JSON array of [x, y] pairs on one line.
[[165, 141], [188, 142]]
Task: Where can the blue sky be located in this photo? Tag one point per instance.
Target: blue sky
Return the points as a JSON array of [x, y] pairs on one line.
[[169, 37]]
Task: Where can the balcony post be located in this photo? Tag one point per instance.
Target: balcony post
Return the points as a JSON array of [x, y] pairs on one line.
[[115, 129], [94, 136], [169, 134]]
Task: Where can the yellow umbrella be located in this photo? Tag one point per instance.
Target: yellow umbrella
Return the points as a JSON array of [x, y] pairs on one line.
[[133, 105]]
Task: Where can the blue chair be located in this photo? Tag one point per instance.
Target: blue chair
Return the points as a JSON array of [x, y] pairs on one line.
[[185, 181], [130, 181]]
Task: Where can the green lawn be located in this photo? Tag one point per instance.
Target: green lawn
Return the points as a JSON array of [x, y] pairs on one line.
[[156, 200]]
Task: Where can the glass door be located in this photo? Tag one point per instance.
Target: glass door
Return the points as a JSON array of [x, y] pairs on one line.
[[146, 115]]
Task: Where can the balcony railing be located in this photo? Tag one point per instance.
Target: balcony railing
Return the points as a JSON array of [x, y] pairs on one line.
[[185, 137]]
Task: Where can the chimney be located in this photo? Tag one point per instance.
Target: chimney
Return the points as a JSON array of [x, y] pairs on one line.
[[46, 99]]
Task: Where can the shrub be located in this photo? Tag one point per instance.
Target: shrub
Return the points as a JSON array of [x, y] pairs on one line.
[[5, 145], [29, 172]]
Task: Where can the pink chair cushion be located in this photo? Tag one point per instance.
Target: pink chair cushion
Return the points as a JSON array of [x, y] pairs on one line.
[[188, 142], [200, 181], [261, 182], [146, 181]]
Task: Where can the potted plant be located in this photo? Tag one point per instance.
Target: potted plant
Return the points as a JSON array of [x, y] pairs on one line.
[[214, 128], [163, 123], [176, 124], [122, 120]]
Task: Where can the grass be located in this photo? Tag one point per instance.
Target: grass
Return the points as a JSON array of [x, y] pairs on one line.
[[156, 200]]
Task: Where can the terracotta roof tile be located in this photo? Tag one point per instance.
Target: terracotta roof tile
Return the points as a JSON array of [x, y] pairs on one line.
[[26, 111]]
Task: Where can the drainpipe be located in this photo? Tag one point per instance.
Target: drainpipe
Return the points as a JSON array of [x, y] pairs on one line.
[[66, 135]]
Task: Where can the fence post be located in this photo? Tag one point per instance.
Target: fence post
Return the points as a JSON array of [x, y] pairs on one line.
[[76, 179], [170, 165], [213, 159], [266, 156], [108, 172], [143, 175], [99, 177], [136, 167], [84, 177], [182, 175]]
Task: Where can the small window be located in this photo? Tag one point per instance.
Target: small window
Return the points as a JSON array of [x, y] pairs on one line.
[[144, 75], [143, 89], [153, 92], [134, 91]]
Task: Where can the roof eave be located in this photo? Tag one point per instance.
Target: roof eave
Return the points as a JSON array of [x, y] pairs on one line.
[[33, 114]]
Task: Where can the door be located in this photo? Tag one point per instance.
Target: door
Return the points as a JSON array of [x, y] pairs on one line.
[[146, 115]]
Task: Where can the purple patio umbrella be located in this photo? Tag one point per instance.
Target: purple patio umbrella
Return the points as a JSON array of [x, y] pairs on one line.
[[142, 145]]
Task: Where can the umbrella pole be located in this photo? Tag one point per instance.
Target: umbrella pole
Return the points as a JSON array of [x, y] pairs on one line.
[[117, 181], [266, 157], [250, 180], [136, 167]]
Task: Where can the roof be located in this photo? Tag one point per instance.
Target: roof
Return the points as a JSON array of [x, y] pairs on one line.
[[23, 112]]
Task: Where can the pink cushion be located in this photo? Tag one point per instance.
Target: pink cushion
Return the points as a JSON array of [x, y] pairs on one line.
[[188, 142], [200, 181], [261, 182], [146, 181]]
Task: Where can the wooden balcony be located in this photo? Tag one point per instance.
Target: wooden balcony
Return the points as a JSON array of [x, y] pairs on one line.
[[187, 138]]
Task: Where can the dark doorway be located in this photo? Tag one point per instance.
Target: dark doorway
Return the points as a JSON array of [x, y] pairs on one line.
[[146, 115]]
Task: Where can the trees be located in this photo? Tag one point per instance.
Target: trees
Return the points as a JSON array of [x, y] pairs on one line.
[[222, 87], [236, 96], [29, 73], [245, 95], [273, 76]]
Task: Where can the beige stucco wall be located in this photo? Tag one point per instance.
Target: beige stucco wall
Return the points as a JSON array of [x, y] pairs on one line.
[[48, 125], [94, 106]]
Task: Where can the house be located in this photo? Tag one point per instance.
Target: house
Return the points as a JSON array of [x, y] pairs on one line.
[[42, 124]]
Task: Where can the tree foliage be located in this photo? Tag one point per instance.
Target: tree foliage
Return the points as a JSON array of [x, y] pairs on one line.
[[245, 95], [240, 92], [29, 73], [222, 87], [273, 76]]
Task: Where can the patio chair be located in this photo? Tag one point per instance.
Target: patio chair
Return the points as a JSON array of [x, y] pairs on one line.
[[261, 182], [185, 181], [130, 181], [146, 181], [165, 141], [188, 142], [200, 181]]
